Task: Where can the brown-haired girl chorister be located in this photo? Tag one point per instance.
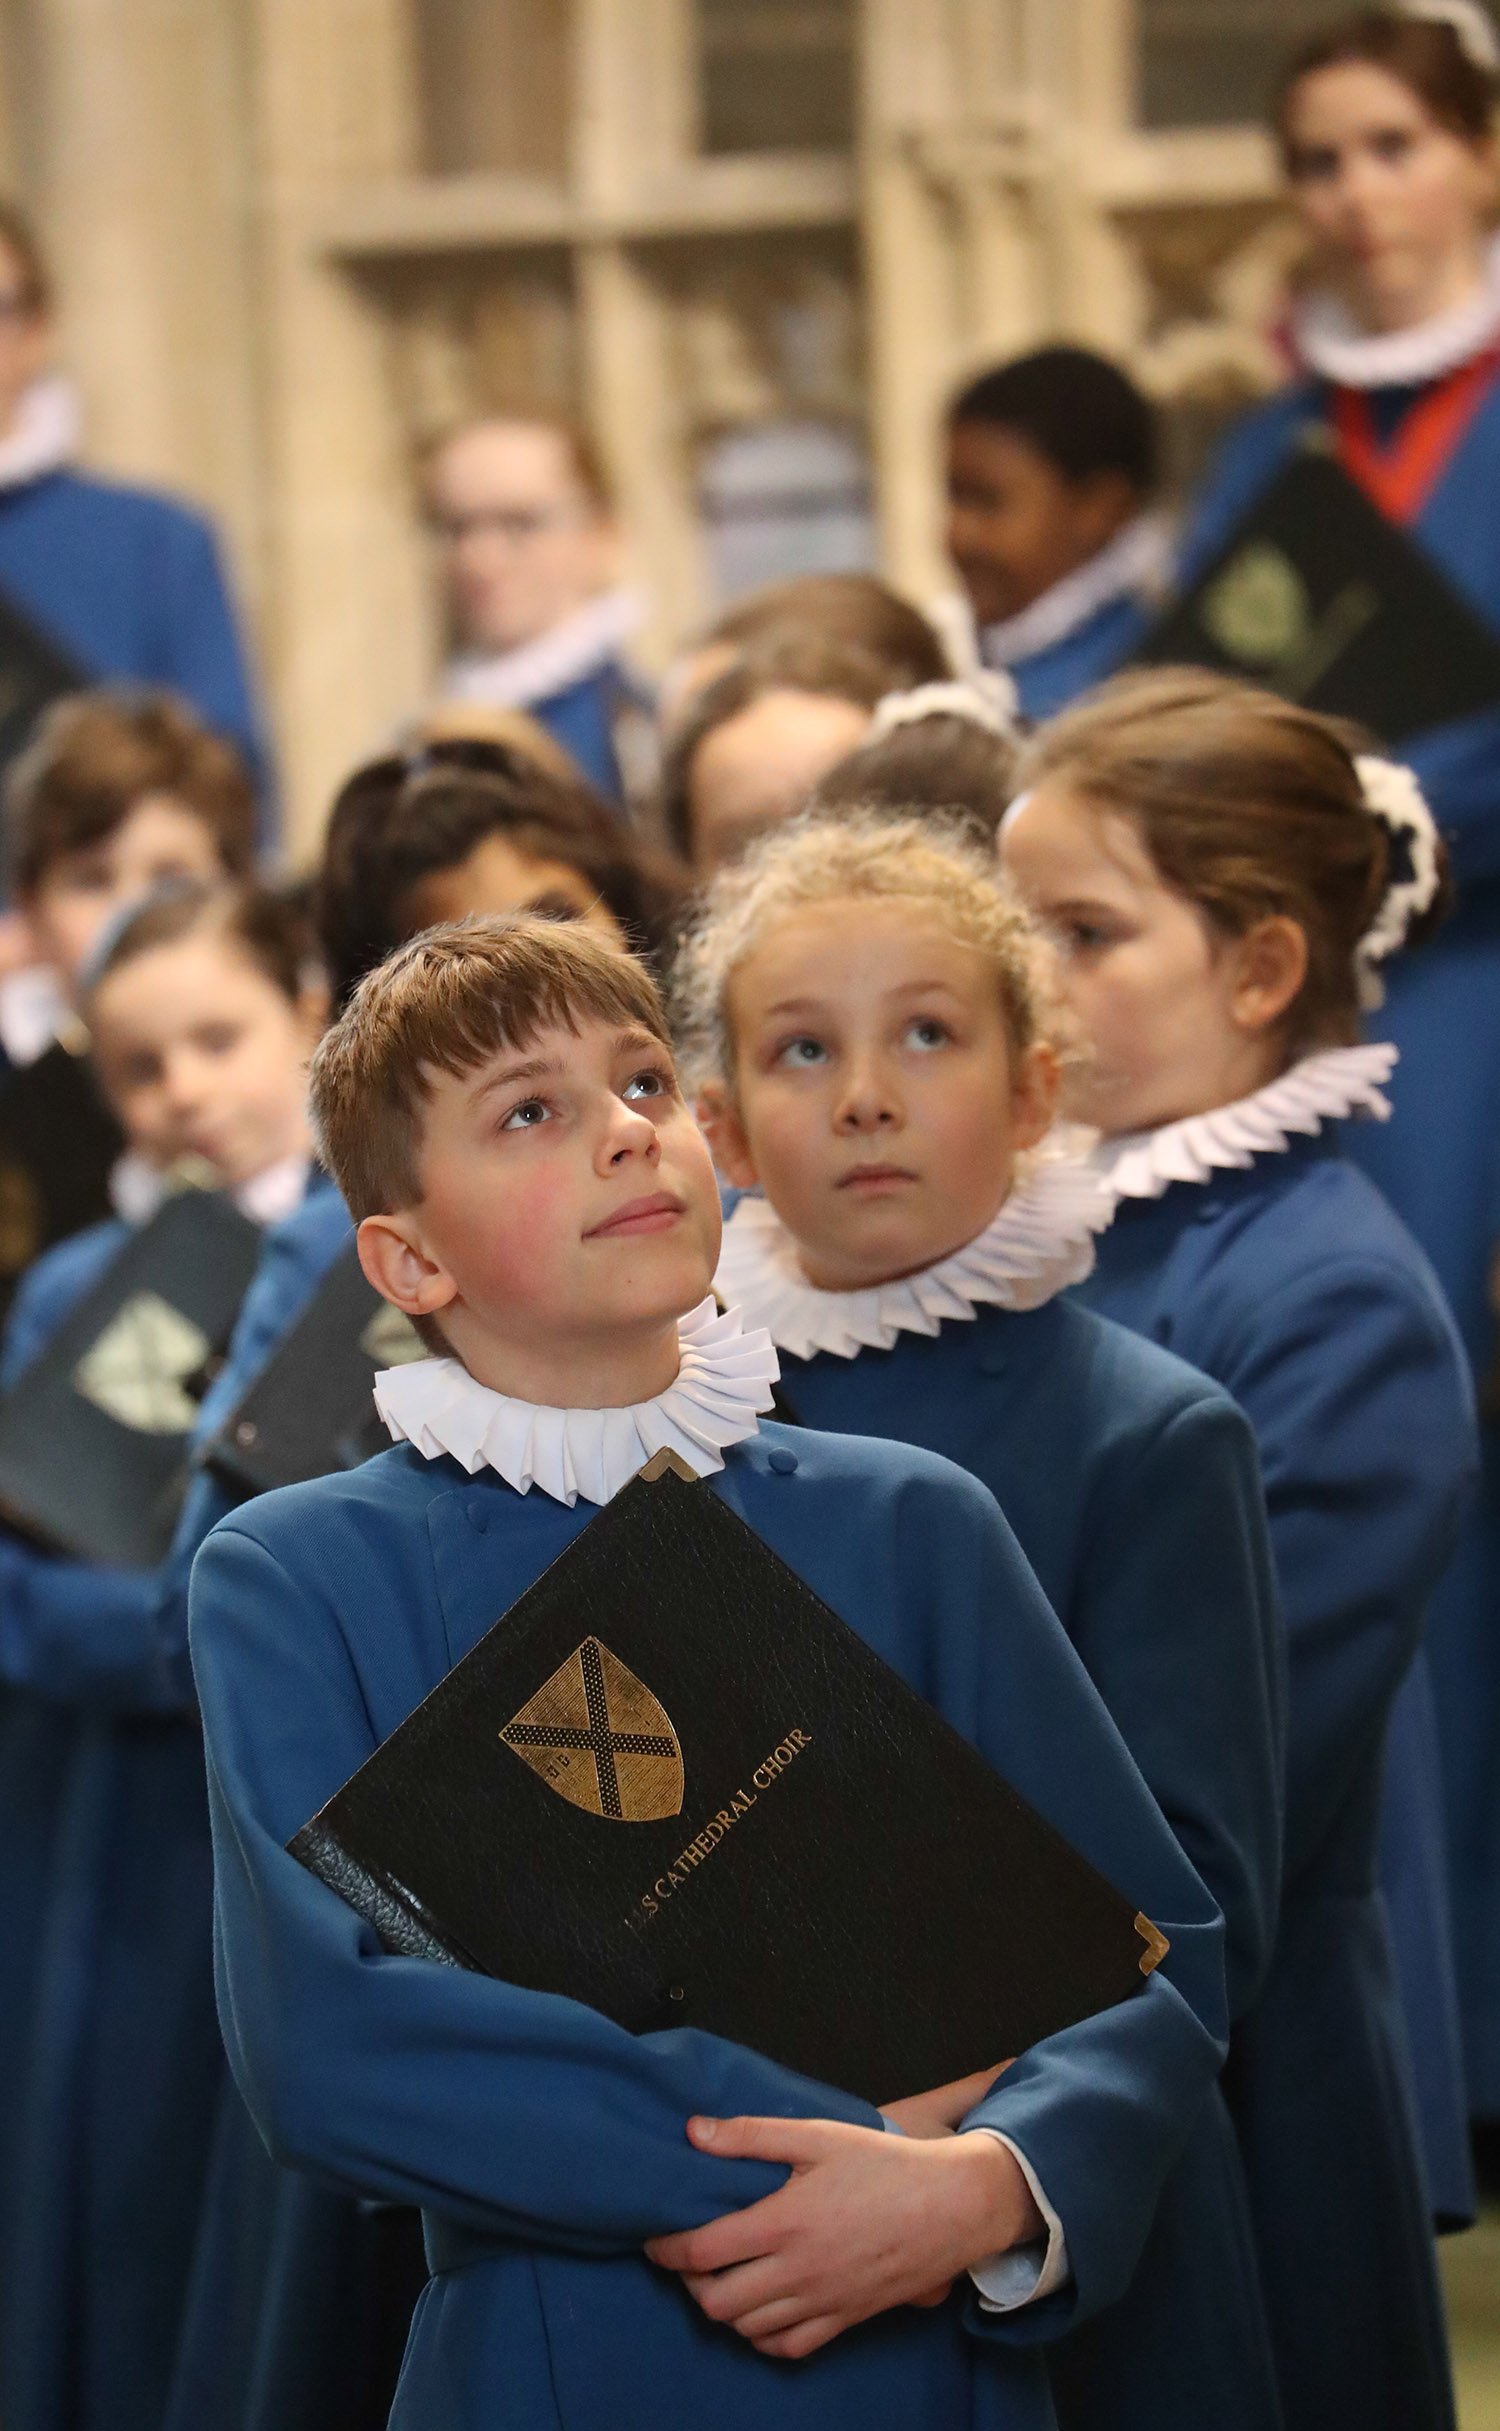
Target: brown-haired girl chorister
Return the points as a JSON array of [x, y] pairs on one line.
[[1385, 125], [1228, 882], [202, 1010]]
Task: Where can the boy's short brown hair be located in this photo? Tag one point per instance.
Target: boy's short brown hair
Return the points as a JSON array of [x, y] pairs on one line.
[[447, 1002], [95, 755]]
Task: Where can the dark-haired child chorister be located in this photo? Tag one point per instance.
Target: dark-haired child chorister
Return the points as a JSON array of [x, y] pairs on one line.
[[300, 2297], [1228, 881], [867, 1007], [613, 2235], [118, 791], [202, 1011], [1052, 462]]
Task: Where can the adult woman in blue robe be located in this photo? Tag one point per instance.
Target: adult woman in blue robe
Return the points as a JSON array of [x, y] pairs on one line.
[[1404, 359]]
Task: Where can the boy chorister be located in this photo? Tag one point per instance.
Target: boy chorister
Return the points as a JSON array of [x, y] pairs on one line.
[[613, 2238]]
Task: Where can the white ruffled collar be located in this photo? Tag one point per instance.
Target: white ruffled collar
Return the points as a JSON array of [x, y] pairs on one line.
[[1320, 1089], [1039, 1243], [720, 1391], [45, 434], [578, 646], [1133, 565], [137, 1188], [1331, 342]]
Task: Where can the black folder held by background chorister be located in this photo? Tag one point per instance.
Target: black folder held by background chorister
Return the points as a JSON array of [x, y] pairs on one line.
[[311, 1410], [1321, 599], [93, 1437], [671, 1783]]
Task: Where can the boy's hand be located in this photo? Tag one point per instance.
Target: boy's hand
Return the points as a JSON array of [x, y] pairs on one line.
[[938, 2113], [865, 2221]]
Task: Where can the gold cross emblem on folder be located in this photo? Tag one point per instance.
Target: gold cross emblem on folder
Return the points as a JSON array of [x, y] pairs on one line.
[[137, 1369], [596, 1735]]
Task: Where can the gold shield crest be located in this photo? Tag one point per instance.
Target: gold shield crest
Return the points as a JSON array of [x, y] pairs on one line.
[[1257, 609], [596, 1735], [137, 1371]]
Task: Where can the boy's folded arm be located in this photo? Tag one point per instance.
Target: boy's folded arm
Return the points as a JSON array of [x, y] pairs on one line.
[[515, 2113]]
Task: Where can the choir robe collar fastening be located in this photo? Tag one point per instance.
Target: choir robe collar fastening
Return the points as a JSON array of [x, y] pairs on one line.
[[1320, 1089], [716, 1399], [1040, 1242]]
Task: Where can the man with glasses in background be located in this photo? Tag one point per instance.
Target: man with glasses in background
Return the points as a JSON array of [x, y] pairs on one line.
[[538, 618]]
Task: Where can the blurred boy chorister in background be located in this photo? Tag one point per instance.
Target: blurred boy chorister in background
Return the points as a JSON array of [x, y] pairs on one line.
[[118, 792], [1052, 464]]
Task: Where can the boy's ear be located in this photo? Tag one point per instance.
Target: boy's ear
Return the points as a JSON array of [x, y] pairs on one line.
[[1034, 1095], [394, 1261], [718, 1120]]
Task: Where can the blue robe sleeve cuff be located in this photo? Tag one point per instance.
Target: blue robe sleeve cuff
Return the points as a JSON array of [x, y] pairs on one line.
[[1026, 2273]]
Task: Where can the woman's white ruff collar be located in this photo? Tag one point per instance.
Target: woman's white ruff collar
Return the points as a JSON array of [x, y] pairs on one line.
[[1041, 1241], [722, 1386], [1318, 1090], [1331, 342]]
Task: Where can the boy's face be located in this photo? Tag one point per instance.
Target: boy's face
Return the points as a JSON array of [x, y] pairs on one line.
[[1017, 524], [569, 1211], [159, 839], [877, 1100]]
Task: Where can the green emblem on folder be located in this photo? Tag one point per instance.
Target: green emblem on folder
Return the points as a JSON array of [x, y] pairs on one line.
[[137, 1371]]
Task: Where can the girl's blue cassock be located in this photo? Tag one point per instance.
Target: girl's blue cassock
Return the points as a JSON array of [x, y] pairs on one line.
[[1133, 1488], [131, 585], [1438, 1161], [345, 1602], [1293, 1284]]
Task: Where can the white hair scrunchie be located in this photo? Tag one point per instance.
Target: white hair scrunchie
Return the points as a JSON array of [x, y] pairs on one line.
[[1471, 24], [986, 699], [1393, 796]]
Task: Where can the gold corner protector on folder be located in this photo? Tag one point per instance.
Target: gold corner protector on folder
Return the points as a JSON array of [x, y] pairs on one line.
[[667, 1463], [1157, 1945]]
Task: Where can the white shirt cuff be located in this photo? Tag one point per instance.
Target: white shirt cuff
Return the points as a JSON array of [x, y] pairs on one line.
[[1026, 2273]]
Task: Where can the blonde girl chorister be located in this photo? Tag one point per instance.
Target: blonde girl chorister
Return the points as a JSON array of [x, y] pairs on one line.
[[869, 1017]]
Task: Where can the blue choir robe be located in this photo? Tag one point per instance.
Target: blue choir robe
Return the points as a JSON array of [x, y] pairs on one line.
[[586, 717], [1294, 1285], [1438, 1161], [544, 2143], [130, 584], [297, 2289], [1049, 679], [1134, 1492], [118, 2063]]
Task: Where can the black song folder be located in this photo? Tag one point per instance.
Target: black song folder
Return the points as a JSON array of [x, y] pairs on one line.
[[94, 1435], [671, 1783], [311, 1410], [58, 1145], [1318, 597]]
